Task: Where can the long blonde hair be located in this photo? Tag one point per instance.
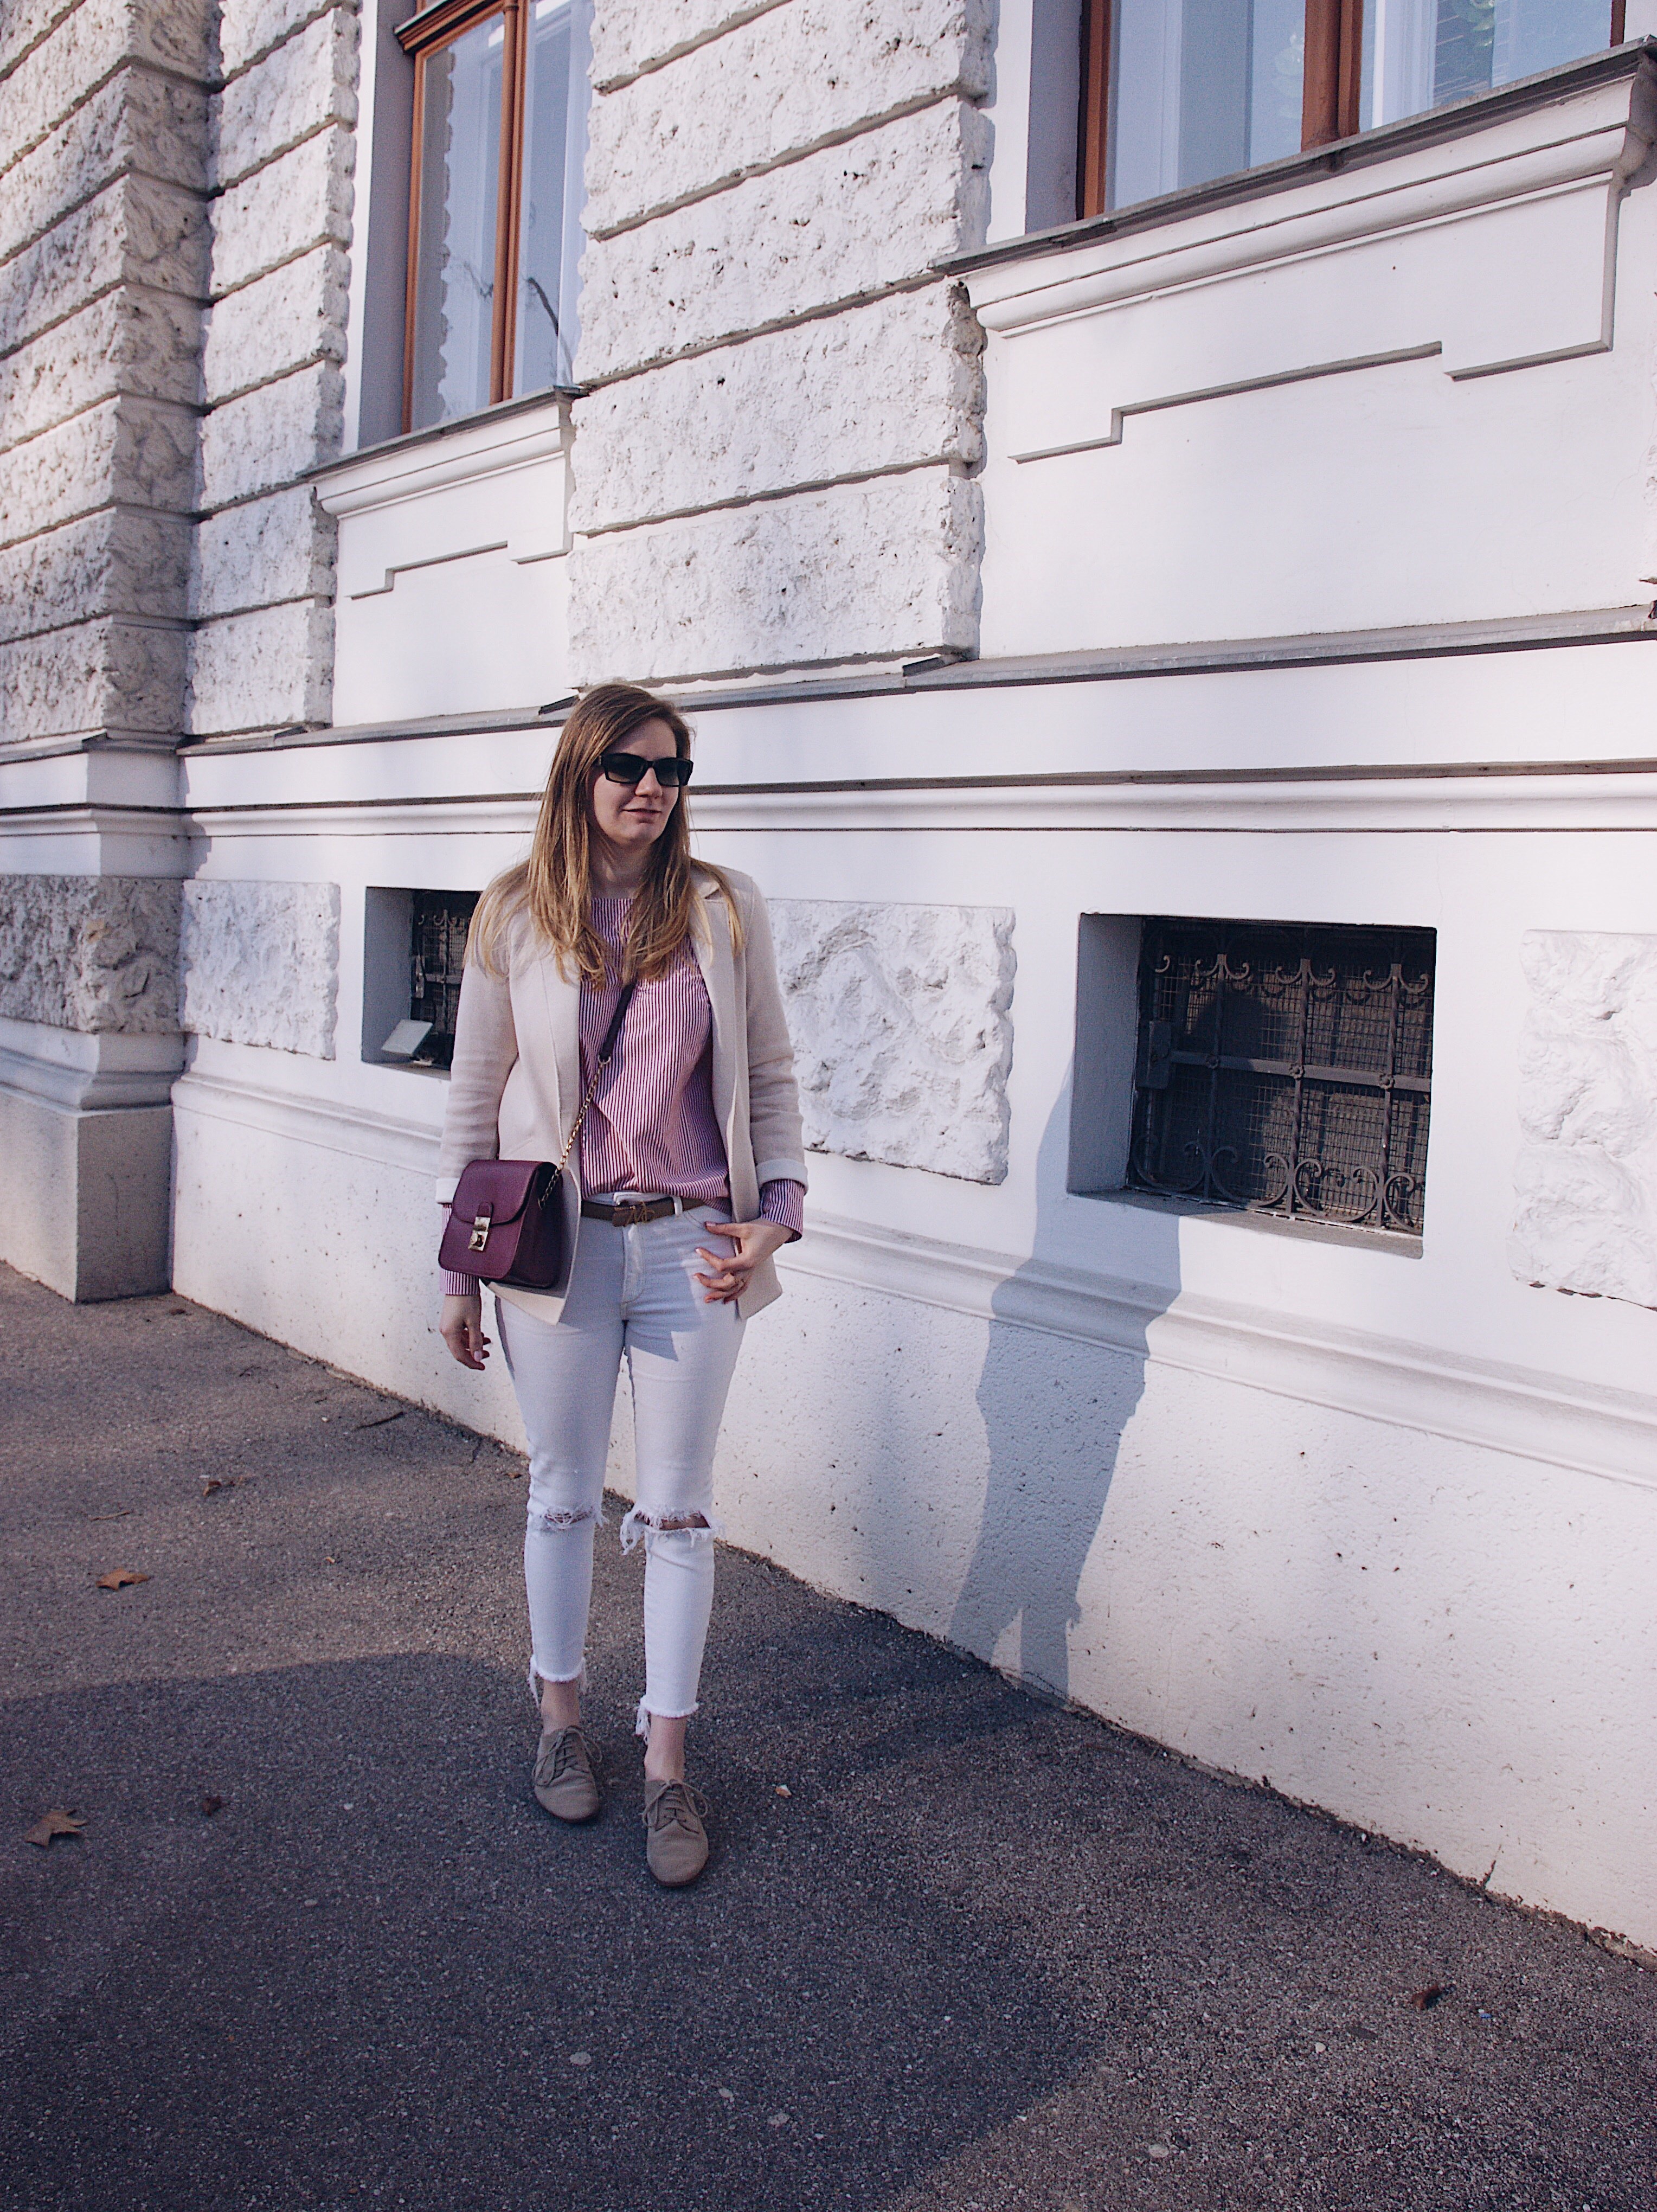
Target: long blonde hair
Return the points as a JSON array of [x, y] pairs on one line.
[[553, 886]]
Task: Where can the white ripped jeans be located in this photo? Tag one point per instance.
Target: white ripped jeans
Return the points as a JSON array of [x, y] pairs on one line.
[[632, 1294]]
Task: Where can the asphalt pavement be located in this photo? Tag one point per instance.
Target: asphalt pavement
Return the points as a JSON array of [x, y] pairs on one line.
[[957, 1950]]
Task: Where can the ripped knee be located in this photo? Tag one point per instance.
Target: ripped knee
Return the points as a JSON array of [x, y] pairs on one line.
[[642, 1526]]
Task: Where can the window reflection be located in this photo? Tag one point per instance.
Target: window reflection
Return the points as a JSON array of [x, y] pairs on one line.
[[1203, 87], [549, 248], [458, 211], [1419, 53]]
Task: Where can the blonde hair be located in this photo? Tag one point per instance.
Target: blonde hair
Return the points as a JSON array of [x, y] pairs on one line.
[[553, 886]]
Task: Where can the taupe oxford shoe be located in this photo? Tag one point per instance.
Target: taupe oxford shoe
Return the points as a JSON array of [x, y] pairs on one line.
[[675, 1842], [566, 1781]]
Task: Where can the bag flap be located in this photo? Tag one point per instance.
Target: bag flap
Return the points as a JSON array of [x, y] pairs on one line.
[[501, 1189]]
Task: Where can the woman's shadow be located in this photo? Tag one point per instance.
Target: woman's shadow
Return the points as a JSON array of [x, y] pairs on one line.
[[1056, 1400]]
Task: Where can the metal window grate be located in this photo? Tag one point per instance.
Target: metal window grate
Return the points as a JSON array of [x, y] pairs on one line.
[[437, 954], [1285, 1068]]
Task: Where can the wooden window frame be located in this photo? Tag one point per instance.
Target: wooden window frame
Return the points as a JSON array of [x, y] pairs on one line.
[[1329, 105], [425, 34]]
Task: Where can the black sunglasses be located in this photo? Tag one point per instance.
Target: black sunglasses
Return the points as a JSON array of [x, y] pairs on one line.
[[672, 772]]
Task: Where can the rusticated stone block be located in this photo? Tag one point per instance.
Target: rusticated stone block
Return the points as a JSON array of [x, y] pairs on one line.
[[124, 449], [902, 1028], [92, 953], [863, 571], [136, 232], [107, 675], [270, 549], [878, 387], [1587, 1179], [263, 669], [249, 28], [128, 341], [260, 964], [136, 119], [842, 223], [89, 43], [630, 35], [305, 84], [302, 200], [117, 561], [279, 322], [266, 439], [814, 71], [25, 23]]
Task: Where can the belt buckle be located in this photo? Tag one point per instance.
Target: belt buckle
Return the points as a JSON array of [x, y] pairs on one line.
[[633, 1216]]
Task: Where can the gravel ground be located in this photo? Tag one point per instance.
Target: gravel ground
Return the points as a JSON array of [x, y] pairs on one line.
[[957, 1951]]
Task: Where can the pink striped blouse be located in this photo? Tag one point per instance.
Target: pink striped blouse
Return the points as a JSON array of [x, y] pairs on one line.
[[651, 1125]]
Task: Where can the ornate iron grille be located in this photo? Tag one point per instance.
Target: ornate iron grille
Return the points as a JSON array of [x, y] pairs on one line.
[[441, 919], [1286, 1069]]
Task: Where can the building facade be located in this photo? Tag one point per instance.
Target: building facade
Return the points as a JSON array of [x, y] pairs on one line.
[[1156, 529]]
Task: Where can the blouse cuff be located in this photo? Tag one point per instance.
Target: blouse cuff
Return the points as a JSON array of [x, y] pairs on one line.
[[785, 1204], [459, 1286]]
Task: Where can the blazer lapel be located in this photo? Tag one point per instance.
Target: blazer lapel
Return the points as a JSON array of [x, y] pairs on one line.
[[712, 943], [564, 1021]]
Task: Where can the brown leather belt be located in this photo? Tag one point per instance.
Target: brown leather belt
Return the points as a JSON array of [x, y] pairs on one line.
[[631, 1214]]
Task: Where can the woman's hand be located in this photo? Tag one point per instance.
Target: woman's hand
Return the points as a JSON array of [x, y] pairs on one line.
[[753, 1241], [462, 1330]]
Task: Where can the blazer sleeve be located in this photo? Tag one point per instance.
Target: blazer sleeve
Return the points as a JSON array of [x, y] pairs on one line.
[[485, 1053], [773, 1114]]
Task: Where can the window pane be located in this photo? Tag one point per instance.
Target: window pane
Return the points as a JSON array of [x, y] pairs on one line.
[[1202, 89], [554, 144], [460, 182], [1419, 53]]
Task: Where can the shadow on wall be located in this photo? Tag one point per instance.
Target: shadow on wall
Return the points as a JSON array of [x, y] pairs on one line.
[[1054, 1409]]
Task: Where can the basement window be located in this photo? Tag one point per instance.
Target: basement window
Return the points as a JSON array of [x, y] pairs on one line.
[[414, 949], [1277, 1068]]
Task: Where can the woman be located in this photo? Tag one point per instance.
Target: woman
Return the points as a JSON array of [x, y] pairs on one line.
[[686, 1177]]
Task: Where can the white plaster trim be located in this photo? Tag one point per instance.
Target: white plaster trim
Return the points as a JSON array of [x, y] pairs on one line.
[[1332, 212], [357, 1131], [468, 455], [1556, 1419], [1519, 803], [87, 1071]]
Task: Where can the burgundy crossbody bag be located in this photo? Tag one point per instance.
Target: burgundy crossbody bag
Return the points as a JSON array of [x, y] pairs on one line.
[[505, 1224]]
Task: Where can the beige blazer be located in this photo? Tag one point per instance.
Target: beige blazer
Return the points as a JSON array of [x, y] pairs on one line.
[[515, 1085]]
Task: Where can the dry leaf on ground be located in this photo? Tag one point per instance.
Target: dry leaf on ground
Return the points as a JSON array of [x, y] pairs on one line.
[[120, 1578], [210, 1804], [59, 1821], [1423, 2000]]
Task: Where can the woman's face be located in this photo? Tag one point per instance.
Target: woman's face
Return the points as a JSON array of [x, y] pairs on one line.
[[632, 816]]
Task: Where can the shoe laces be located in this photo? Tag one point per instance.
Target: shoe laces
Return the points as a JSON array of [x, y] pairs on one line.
[[560, 1751], [676, 1805]]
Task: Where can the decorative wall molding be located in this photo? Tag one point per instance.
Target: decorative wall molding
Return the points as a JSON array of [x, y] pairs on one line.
[[260, 964], [90, 953], [1112, 328], [1361, 798], [1587, 1179], [1554, 1419], [902, 1030]]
